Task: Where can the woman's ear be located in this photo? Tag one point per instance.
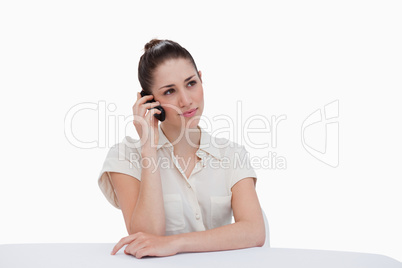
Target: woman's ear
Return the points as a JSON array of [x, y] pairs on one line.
[[199, 75]]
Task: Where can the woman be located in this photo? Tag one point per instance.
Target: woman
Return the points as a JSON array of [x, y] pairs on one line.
[[178, 187]]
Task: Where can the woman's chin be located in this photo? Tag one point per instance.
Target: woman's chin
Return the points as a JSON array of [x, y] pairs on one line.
[[193, 124]]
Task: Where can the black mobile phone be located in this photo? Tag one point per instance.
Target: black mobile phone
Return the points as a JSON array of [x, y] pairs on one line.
[[162, 115]]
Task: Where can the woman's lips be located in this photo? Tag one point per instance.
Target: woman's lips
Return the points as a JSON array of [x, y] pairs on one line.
[[190, 113]]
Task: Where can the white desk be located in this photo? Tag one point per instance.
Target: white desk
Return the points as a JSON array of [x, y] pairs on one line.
[[98, 255]]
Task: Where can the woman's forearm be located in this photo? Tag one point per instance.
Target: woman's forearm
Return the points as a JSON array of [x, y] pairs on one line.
[[238, 235], [149, 212]]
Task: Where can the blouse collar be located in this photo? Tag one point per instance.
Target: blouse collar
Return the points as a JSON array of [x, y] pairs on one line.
[[207, 144]]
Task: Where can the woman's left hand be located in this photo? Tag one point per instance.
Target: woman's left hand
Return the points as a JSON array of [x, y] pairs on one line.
[[142, 244]]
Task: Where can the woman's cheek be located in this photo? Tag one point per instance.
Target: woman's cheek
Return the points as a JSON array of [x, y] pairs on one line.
[[171, 111]]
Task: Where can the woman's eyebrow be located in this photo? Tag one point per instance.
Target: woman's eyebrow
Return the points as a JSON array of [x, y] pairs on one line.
[[185, 80]]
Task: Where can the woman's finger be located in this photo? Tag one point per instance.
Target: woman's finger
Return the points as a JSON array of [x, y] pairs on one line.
[[145, 99], [139, 105], [151, 113], [151, 104], [141, 253], [124, 241], [134, 247]]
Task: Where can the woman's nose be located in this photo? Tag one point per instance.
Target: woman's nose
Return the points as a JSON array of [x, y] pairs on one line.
[[184, 98]]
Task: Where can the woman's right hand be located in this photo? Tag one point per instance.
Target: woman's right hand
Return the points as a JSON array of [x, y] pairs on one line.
[[145, 122]]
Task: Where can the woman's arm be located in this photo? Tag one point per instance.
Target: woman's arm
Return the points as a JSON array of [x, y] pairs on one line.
[[247, 231], [141, 202]]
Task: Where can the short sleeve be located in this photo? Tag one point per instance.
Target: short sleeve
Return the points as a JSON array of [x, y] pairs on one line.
[[242, 166], [121, 159]]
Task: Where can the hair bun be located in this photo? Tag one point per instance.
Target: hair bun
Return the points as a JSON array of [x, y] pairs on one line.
[[152, 44]]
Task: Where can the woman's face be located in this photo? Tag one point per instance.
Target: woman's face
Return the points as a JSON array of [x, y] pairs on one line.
[[179, 89]]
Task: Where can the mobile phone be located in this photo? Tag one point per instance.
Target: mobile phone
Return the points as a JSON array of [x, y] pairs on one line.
[[161, 117]]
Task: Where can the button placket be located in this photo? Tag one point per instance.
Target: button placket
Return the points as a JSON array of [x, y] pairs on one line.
[[200, 164], [176, 163], [192, 195], [202, 155]]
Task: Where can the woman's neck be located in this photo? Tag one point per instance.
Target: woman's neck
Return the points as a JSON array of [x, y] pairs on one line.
[[184, 141]]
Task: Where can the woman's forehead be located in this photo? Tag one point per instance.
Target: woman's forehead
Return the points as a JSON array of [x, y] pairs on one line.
[[173, 71]]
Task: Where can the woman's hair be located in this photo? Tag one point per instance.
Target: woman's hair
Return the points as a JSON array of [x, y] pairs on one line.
[[157, 52]]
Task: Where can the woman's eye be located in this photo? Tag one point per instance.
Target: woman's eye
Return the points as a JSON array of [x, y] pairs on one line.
[[192, 83], [166, 92]]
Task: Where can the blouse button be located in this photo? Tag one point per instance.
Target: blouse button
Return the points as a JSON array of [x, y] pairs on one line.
[[188, 185], [197, 216]]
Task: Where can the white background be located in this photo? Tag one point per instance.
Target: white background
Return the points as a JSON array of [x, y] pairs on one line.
[[279, 58]]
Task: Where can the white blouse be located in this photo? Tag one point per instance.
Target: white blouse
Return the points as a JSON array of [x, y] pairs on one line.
[[200, 202]]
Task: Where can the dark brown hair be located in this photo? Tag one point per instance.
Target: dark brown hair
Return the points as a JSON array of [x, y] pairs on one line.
[[157, 52]]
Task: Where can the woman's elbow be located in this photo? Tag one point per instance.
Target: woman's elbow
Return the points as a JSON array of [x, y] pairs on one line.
[[260, 238], [259, 235]]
